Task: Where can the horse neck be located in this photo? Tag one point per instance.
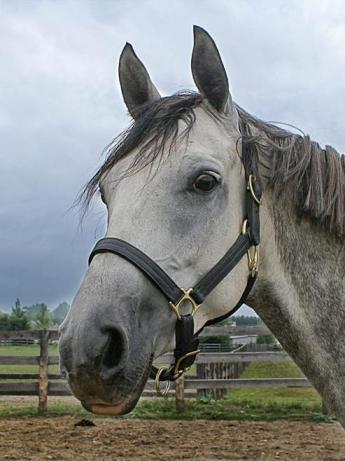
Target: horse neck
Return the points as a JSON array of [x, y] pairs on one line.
[[311, 257], [301, 294]]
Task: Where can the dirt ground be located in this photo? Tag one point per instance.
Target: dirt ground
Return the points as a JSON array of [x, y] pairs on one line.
[[57, 438]]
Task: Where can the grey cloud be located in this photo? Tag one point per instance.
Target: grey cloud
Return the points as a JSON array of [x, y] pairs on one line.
[[60, 105]]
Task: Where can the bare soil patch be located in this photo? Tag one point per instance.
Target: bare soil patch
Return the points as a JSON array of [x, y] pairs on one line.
[[57, 438]]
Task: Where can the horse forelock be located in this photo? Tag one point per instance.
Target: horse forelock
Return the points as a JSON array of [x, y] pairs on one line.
[[155, 126]]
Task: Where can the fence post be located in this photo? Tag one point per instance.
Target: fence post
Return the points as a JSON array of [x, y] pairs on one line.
[[201, 374], [179, 395], [43, 372]]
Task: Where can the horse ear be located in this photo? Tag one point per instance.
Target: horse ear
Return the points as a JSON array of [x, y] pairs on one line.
[[208, 71], [137, 88]]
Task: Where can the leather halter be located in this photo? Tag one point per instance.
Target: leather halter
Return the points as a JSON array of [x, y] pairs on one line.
[[186, 341]]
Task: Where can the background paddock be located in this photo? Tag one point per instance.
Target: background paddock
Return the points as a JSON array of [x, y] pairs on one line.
[[266, 410], [215, 372]]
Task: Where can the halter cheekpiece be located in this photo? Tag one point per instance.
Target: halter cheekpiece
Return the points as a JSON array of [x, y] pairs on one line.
[[186, 341]]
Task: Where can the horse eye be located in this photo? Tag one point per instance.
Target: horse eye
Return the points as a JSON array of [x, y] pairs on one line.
[[206, 182]]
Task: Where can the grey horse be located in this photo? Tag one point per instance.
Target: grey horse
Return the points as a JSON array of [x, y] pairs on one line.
[[173, 186]]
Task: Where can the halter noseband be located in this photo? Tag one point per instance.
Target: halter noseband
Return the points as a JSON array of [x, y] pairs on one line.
[[186, 341]]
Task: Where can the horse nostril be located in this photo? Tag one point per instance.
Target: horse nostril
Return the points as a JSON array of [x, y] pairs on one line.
[[114, 350]]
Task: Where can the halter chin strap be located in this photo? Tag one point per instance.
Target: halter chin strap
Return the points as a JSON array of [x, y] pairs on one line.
[[186, 341]]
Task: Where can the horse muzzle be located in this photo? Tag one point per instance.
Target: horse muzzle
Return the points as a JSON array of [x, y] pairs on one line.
[[105, 376]]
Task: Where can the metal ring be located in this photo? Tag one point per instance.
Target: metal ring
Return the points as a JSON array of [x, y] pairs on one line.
[[161, 393], [186, 296], [177, 371], [253, 260], [244, 227], [251, 188]]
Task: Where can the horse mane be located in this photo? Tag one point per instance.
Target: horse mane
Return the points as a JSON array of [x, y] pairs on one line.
[[316, 176]]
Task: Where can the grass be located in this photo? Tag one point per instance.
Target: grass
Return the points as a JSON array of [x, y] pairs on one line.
[[241, 404], [28, 350], [56, 409], [231, 408], [285, 398], [247, 403], [274, 369]]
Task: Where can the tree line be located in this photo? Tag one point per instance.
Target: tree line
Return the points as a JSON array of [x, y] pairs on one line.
[[35, 317]]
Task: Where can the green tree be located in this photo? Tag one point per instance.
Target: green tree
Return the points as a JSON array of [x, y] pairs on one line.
[[221, 340], [246, 320], [60, 312], [42, 319], [18, 320], [265, 339], [33, 310], [4, 322]]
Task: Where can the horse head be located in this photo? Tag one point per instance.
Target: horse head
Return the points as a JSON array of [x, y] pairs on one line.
[[174, 188]]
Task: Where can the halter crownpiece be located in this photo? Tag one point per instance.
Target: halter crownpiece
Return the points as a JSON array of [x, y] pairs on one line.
[[187, 342]]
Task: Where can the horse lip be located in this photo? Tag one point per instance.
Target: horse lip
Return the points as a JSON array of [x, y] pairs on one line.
[[125, 405], [118, 409]]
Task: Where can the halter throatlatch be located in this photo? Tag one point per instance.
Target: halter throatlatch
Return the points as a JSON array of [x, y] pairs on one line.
[[187, 341]]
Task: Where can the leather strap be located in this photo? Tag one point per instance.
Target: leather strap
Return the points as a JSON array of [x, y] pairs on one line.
[[162, 280], [221, 269], [143, 262], [253, 211], [186, 341], [185, 351], [250, 283]]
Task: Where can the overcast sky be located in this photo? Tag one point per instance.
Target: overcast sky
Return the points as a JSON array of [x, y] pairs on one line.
[[60, 105]]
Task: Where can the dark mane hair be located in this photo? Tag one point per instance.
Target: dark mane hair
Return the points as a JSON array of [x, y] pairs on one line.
[[316, 175]]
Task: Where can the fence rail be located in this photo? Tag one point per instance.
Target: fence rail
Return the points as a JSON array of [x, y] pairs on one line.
[[27, 334], [236, 330], [230, 357], [225, 330], [210, 367]]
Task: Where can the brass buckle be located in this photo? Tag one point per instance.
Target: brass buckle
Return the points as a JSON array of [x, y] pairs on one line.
[[185, 297], [250, 187], [177, 371], [252, 255], [244, 227], [253, 260], [164, 392]]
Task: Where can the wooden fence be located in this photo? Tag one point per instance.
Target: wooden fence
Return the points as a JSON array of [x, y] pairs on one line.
[[219, 377]]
